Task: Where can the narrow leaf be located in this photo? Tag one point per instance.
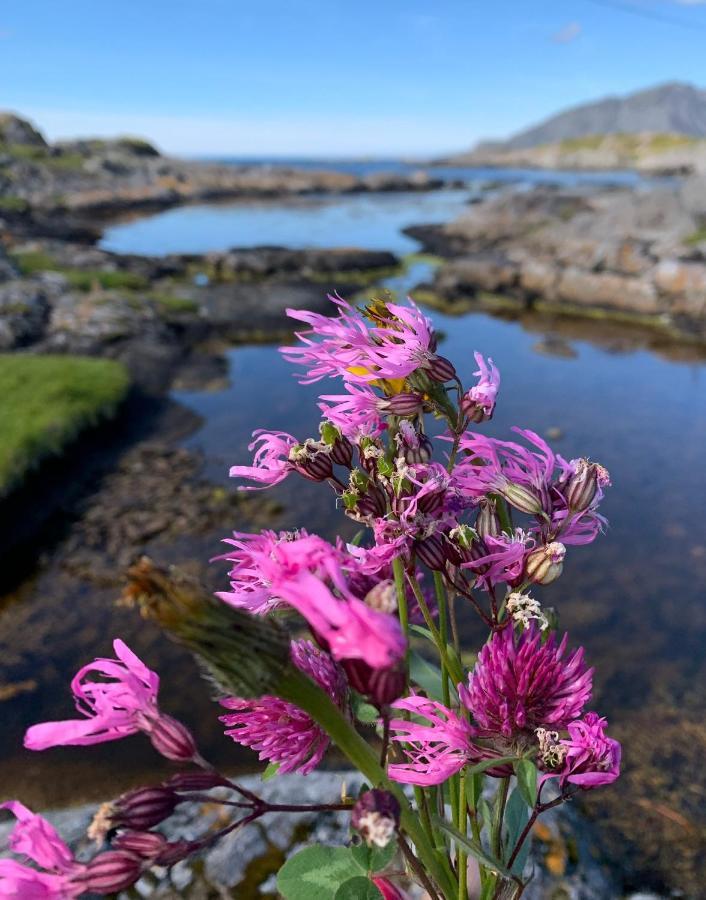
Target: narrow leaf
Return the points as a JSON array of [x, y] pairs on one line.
[[526, 773], [470, 846]]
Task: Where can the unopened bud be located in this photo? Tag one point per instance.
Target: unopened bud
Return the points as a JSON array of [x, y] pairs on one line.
[[196, 781], [380, 686], [147, 844], [144, 807], [403, 404], [112, 871], [431, 552], [421, 453], [545, 564], [582, 486], [312, 461], [521, 498], [488, 521], [376, 816], [373, 502], [441, 369], [382, 597], [473, 410], [172, 739], [339, 446], [432, 501]]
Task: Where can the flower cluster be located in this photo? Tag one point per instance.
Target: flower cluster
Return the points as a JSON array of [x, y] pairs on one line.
[[452, 522]]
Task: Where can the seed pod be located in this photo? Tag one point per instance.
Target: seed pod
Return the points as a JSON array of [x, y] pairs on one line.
[[522, 498], [441, 369], [545, 564], [488, 521], [376, 815]]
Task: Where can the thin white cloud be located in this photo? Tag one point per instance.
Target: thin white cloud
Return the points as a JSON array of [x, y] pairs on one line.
[[568, 33], [334, 135]]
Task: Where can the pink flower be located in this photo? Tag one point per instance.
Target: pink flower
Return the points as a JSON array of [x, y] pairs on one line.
[[435, 751], [357, 414], [499, 558], [120, 706], [33, 837], [592, 759], [520, 684], [271, 463], [280, 731], [478, 403]]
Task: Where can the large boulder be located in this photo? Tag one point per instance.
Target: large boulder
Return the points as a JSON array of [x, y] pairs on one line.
[[24, 309], [608, 291]]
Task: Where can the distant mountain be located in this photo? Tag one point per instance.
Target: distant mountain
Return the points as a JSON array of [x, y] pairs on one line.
[[672, 108]]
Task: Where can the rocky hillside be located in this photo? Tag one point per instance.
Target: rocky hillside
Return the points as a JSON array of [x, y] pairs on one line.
[[659, 129]]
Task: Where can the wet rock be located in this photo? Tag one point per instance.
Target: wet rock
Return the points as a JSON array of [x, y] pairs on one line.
[[24, 310]]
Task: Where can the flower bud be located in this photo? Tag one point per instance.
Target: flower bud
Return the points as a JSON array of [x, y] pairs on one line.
[[382, 597], [488, 521], [147, 844], [376, 816], [112, 871], [388, 890], [196, 781], [172, 739], [403, 404], [431, 552], [380, 686], [441, 369], [522, 498], [144, 807], [545, 564], [473, 410], [373, 502], [461, 540], [312, 461], [340, 447]]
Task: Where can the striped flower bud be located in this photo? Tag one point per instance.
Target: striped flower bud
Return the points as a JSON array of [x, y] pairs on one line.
[[144, 807], [431, 552], [312, 460], [583, 485], [340, 447], [441, 369], [521, 498], [488, 521], [112, 871], [380, 686], [545, 564], [196, 781], [403, 404], [147, 844], [173, 740]]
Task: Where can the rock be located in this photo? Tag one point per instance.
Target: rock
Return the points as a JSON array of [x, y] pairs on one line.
[[605, 290], [539, 278], [14, 130], [24, 309], [492, 272]]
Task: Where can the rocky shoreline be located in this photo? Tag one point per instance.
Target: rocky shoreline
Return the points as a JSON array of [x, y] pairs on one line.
[[639, 256]]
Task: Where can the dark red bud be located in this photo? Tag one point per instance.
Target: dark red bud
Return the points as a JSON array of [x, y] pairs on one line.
[[112, 871], [380, 686], [147, 844], [473, 410], [373, 502], [422, 453], [173, 740], [342, 452], [431, 552], [316, 466], [142, 808], [404, 404], [196, 781]]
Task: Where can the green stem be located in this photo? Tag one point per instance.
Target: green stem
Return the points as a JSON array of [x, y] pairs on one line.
[[462, 858], [398, 574], [503, 513], [300, 690], [441, 603], [451, 667], [497, 832]]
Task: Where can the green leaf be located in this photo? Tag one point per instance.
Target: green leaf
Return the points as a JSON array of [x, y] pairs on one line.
[[374, 859], [316, 872], [270, 772], [358, 888], [486, 764], [484, 811], [426, 675], [526, 773], [471, 847], [474, 789], [516, 817], [422, 632]]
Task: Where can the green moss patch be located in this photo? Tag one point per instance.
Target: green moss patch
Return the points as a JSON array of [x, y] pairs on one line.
[[45, 404], [34, 261]]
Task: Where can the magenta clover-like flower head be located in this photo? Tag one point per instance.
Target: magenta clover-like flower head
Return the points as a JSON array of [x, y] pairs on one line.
[[280, 731], [520, 684], [122, 704]]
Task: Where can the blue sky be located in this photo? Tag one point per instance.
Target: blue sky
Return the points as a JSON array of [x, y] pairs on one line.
[[332, 78]]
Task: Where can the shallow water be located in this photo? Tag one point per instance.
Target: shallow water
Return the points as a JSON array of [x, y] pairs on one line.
[[635, 598]]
